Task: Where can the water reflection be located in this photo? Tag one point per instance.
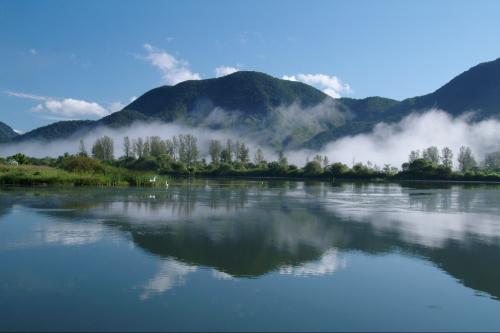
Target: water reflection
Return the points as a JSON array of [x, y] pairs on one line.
[[248, 229]]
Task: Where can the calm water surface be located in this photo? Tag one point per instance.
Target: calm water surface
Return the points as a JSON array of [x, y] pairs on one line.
[[238, 255]]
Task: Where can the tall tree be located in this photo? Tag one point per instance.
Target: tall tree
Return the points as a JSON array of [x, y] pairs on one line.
[[157, 146], [127, 148], [82, 151], [215, 149], [103, 149], [414, 155], [259, 157], [431, 154], [447, 157], [138, 147], [466, 161], [188, 149], [242, 153]]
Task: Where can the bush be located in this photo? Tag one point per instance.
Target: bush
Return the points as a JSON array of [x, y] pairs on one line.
[[313, 168], [81, 164]]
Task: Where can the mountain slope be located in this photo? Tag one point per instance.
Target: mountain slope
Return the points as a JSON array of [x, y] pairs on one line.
[[476, 90], [253, 93], [58, 130], [6, 132]]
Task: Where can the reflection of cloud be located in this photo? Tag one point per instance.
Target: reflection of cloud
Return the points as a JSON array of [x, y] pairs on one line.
[[429, 219], [72, 233], [170, 274], [329, 262]]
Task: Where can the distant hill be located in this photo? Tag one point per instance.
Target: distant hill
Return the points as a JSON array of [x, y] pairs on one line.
[[287, 114], [6, 132]]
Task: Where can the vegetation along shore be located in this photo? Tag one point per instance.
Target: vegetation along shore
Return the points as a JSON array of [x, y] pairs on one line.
[[151, 161]]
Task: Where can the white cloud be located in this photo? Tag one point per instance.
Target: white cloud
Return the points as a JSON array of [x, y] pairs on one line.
[[33, 51], [225, 70], [329, 84], [174, 70], [66, 107], [70, 108], [27, 96]]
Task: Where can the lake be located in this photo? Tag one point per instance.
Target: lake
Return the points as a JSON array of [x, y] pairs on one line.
[[251, 255]]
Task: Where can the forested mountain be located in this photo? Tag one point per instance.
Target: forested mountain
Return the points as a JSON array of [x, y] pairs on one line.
[[285, 113]]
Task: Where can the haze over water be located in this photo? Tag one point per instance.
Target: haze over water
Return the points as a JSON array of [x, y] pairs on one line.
[[245, 255]]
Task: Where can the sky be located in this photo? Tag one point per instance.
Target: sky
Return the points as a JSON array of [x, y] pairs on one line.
[[85, 59]]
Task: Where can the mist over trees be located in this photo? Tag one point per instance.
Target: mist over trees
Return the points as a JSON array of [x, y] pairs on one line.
[[181, 154]]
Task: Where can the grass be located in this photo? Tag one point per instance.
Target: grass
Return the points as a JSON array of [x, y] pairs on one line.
[[32, 175]]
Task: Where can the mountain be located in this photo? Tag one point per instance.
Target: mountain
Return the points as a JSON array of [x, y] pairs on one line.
[[6, 132], [287, 114], [251, 102], [475, 90]]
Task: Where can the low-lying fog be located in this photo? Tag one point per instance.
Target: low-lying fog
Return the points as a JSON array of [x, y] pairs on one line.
[[385, 144]]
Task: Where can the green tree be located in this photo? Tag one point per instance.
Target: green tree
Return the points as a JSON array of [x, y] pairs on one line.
[[466, 161], [214, 150], [447, 157], [103, 149], [127, 148], [82, 150], [431, 154], [313, 168], [259, 157]]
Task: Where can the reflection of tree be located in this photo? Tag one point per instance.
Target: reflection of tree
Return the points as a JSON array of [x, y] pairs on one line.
[[251, 228]]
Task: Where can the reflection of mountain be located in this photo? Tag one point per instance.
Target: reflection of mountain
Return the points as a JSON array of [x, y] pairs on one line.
[[251, 230]]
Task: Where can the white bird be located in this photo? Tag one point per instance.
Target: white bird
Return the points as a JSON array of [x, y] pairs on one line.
[[166, 183], [152, 180]]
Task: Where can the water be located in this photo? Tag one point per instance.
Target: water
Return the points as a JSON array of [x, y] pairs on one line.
[[237, 255]]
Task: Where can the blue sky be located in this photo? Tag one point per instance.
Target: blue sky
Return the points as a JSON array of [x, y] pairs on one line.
[[84, 59]]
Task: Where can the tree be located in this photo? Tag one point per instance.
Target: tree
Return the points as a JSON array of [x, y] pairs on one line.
[[170, 149], [138, 147], [313, 168], [283, 161], [127, 148], [188, 149], [492, 161], [431, 154], [338, 169], [229, 151], [326, 162], [466, 161], [82, 151], [215, 149], [447, 157], [414, 155], [103, 149], [259, 157], [389, 169], [156, 146], [242, 153]]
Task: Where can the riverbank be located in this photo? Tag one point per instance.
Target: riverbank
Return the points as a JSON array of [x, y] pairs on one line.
[[35, 175]]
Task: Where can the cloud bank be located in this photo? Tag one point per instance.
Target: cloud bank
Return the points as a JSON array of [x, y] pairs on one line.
[[65, 107], [173, 70], [391, 143], [225, 70], [330, 85]]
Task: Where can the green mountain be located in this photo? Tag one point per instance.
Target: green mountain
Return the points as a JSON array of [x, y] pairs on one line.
[[6, 132], [285, 113], [475, 90]]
